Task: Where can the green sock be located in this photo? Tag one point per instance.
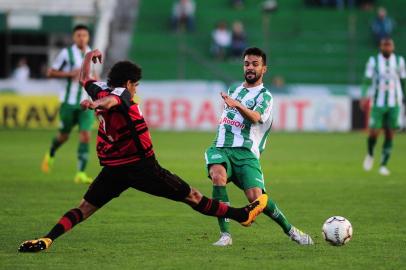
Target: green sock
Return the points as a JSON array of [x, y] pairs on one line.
[[273, 212], [83, 156], [370, 145], [220, 193], [54, 146], [386, 151]]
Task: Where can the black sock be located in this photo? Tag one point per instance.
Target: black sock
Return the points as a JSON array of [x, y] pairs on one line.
[[210, 207], [371, 145], [54, 146], [67, 222]]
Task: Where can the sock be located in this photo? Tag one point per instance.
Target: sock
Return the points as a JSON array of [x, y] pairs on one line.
[[83, 156], [210, 207], [67, 222], [371, 145], [220, 193], [272, 211], [54, 146], [386, 151]]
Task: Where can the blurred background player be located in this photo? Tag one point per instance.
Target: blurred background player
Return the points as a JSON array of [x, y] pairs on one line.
[[67, 66], [386, 73], [241, 137]]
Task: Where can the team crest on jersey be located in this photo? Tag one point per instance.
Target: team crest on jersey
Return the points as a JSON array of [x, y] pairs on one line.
[[250, 103]]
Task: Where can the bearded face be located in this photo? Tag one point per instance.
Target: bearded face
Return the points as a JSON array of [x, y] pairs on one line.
[[253, 68]]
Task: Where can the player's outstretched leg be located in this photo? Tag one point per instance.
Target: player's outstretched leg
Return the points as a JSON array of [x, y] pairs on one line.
[[245, 215], [49, 157], [371, 142], [386, 151], [65, 223], [295, 234]]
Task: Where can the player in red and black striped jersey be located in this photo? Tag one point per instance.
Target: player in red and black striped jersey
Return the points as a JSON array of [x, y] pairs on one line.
[[125, 151]]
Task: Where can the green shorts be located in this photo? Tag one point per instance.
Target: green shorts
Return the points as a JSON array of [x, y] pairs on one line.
[[384, 117], [242, 166], [71, 115]]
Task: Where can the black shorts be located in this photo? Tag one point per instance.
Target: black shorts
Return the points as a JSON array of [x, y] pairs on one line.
[[147, 176]]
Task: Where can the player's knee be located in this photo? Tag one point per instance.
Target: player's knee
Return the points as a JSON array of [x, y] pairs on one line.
[[87, 209], [218, 176], [253, 194], [63, 137], [84, 137], [389, 134]]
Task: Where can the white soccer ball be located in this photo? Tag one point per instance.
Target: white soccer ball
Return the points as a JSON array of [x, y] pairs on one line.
[[337, 230]]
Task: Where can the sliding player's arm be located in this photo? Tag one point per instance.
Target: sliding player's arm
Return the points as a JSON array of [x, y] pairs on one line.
[[252, 116], [105, 103], [98, 91], [366, 83], [85, 71]]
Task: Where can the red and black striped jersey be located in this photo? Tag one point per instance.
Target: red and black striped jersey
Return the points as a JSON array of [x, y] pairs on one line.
[[123, 137]]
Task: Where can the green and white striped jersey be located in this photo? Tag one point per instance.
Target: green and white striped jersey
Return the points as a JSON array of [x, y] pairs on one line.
[[69, 59], [235, 131], [386, 74]]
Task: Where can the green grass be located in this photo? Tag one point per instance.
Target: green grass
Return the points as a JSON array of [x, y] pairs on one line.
[[311, 176]]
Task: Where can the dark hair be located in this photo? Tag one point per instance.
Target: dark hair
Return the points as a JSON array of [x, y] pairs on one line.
[[385, 39], [257, 52], [80, 27], [122, 72]]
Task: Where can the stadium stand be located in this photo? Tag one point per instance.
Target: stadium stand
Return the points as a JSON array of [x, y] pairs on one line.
[[301, 48]]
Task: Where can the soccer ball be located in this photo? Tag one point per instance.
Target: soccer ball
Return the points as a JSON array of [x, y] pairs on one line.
[[337, 230]]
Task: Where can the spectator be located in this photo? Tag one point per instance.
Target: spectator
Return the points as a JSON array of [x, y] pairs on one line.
[[22, 71], [221, 41], [237, 4], [278, 84], [183, 15], [238, 39], [383, 25]]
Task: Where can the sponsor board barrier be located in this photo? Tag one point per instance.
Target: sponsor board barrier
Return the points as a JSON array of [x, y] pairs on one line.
[[181, 109]]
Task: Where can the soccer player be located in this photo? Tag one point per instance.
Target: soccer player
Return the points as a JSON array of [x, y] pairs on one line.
[[386, 73], [241, 137], [67, 66], [125, 150]]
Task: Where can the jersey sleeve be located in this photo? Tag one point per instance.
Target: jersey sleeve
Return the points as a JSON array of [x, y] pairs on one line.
[[370, 67], [402, 68], [124, 96], [61, 60], [264, 106], [95, 89]]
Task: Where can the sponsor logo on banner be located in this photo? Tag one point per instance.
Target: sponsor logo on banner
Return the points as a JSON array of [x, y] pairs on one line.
[[29, 111], [200, 110]]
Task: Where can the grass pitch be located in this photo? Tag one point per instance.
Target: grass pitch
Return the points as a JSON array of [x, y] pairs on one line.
[[310, 176]]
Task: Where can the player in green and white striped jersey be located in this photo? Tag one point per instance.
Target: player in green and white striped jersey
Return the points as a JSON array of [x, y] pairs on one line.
[[67, 67], [386, 74], [241, 137]]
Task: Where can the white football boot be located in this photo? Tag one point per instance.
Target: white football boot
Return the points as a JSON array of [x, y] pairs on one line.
[[384, 171], [225, 240], [368, 163], [300, 237]]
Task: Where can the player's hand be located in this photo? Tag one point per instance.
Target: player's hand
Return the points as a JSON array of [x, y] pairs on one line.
[[87, 104], [232, 103], [96, 56], [364, 104]]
